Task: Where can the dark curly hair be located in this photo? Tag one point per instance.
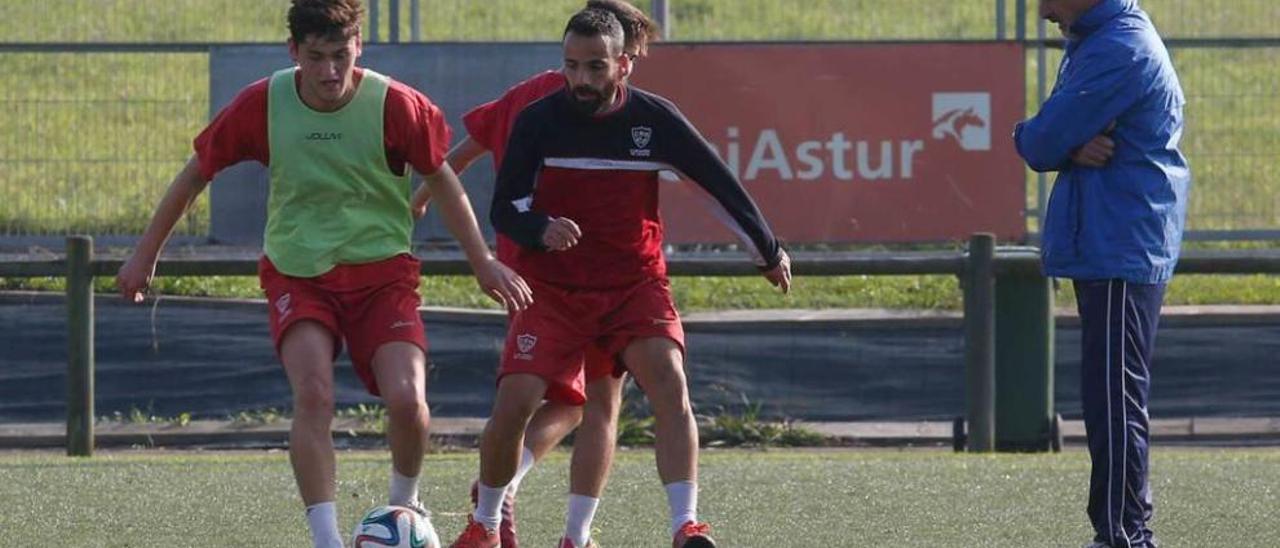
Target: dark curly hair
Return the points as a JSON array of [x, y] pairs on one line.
[[329, 19], [593, 22]]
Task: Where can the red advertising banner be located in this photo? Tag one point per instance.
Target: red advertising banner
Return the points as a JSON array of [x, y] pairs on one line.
[[853, 142]]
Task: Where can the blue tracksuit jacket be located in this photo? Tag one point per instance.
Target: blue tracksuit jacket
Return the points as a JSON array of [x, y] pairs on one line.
[[1124, 220]]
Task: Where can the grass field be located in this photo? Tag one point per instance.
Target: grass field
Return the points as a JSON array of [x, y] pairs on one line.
[[846, 498]]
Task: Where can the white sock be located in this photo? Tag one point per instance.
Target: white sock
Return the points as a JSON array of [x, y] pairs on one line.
[[489, 505], [682, 497], [323, 519], [577, 526], [527, 461], [404, 489]]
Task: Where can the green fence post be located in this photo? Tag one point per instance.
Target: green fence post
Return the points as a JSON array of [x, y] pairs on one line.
[[80, 346], [1024, 359], [979, 327]]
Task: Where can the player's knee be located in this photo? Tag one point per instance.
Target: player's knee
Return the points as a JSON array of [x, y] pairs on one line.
[[601, 408], [404, 404], [519, 397], [573, 415], [665, 378], [669, 397], [671, 407], [313, 401]]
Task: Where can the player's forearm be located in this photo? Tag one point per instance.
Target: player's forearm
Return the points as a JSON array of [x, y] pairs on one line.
[[459, 218], [183, 191], [465, 154], [421, 196], [524, 228], [459, 158]]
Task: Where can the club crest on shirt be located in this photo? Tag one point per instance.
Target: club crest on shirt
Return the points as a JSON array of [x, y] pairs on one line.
[[641, 135], [525, 344]]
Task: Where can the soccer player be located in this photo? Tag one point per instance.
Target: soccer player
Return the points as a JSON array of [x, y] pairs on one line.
[[1114, 225], [578, 192], [340, 143], [488, 127]]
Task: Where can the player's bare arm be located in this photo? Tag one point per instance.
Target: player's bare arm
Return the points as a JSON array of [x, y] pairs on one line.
[[135, 275], [498, 282], [460, 157]]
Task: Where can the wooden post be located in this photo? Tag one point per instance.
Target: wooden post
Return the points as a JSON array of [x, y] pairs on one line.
[[80, 413], [980, 341]]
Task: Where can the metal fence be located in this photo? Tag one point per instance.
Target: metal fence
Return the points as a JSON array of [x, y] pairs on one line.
[[102, 97]]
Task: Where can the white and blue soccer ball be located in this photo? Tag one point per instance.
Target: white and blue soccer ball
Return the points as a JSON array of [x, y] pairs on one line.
[[394, 527]]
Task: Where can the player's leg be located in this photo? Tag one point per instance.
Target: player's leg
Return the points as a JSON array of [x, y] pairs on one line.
[[658, 365], [400, 369], [519, 395], [593, 449], [388, 349], [646, 332], [542, 358], [552, 422], [304, 330], [307, 350], [548, 427]]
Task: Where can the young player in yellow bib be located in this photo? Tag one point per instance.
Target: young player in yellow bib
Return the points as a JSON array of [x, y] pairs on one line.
[[341, 143]]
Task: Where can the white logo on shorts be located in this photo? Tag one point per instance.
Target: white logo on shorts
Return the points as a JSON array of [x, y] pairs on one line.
[[525, 344], [283, 306], [401, 323]]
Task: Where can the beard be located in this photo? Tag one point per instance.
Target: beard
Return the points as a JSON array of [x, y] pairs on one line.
[[588, 100]]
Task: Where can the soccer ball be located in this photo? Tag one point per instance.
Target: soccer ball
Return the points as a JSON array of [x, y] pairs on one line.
[[394, 527]]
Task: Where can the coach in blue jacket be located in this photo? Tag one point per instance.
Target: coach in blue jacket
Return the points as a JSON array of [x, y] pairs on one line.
[[1114, 226]]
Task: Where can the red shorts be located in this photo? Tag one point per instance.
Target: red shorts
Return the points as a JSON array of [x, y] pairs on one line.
[[566, 327], [364, 305], [598, 363]]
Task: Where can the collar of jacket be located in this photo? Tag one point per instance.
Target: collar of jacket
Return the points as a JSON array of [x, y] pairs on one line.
[[1099, 14]]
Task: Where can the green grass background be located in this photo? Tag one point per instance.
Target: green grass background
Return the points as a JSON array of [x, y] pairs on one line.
[[694, 294], [854, 498]]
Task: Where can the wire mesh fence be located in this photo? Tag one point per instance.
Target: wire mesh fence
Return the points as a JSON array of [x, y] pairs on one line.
[[103, 97], [92, 138]]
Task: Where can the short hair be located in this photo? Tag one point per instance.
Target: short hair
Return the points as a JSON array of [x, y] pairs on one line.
[[637, 28], [592, 22], [329, 19]]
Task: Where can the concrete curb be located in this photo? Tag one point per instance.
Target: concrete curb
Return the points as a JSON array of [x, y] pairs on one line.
[[1170, 430], [465, 433]]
